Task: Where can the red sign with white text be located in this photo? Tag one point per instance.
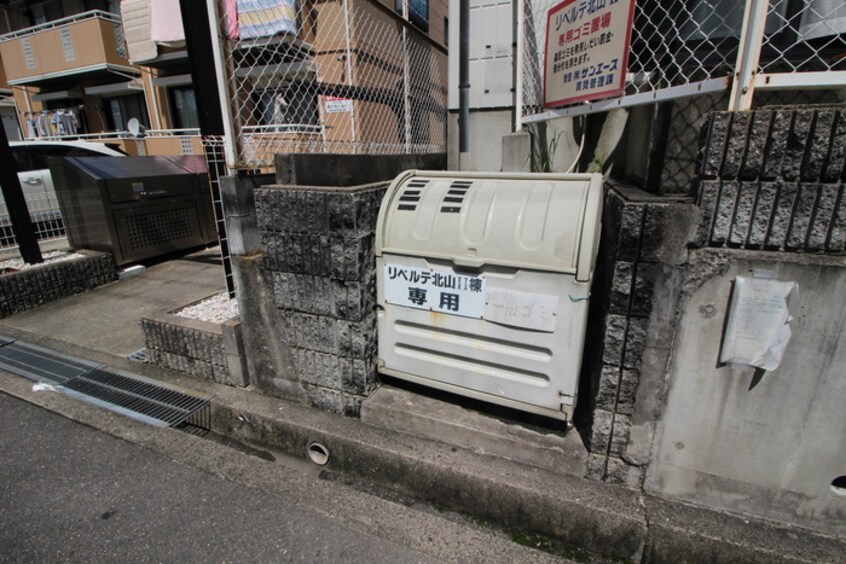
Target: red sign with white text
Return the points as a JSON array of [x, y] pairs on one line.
[[587, 48]]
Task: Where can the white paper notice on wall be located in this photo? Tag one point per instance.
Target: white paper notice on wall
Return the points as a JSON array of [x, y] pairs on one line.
[[758, 327], [521, 309]]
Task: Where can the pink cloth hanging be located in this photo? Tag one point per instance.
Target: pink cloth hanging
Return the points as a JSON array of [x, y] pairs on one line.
[[231, 8]]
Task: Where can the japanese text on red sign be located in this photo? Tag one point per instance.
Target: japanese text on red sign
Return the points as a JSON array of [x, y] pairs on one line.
[[586, 49]]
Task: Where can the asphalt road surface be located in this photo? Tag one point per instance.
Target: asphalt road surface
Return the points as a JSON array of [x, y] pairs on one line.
[[72, 493]]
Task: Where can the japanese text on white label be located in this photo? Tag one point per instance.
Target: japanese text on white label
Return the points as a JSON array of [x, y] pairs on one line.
[[435, 289]]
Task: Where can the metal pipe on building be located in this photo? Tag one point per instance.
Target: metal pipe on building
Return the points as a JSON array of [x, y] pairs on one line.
[[463, 76], [518, 49]]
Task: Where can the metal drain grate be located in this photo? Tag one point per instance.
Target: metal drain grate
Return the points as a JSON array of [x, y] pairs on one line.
[[136, 397], [128, 394], [42, 365]]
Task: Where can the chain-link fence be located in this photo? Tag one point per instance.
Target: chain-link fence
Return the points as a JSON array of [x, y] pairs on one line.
[[340, 76], [683, 48]]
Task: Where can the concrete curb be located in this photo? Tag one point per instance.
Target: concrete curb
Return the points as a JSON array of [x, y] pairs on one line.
[[605, 519]]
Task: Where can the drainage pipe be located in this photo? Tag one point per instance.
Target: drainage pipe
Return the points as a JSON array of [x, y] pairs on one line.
[[463, 76], [318, 453]]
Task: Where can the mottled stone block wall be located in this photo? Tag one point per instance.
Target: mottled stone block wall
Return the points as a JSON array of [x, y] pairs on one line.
[[318, 249], [770, 180], [643, 250], [212, 351], [27, 289], [773, 180]]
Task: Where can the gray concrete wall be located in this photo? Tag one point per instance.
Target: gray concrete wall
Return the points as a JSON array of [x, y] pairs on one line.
[[641, 256], [318, 169], [486, 131], [269, 361], [655, 408], [770, 444], [771, 447], [304, 274]]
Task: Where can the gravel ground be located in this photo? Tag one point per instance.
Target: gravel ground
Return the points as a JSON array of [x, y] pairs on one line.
[[216, 309], [54, 256]]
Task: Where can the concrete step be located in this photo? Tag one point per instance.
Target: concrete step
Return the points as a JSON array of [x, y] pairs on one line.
[[404, 411]]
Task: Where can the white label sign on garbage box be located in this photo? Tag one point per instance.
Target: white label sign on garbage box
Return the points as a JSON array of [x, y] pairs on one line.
[[435, 289], [587, 46], [521, 309]]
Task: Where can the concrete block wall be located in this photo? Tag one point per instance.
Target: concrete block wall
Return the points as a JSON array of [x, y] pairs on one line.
[[642, 253], [27, 289], [212, 351], [317, 246], [773, 180]]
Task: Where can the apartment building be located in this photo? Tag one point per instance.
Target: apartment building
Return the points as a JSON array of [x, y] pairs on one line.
[[307, 75], [66, 73]]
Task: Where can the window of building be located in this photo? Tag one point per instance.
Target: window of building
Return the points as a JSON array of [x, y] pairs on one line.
[[183, 105], [111, 6], [44, 12], [121, 109], [418, 12], [294, 104]]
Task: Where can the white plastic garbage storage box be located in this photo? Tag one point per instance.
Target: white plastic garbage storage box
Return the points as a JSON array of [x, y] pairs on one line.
[[483, 282]]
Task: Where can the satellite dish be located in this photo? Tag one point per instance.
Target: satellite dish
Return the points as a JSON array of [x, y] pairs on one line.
[[134, 127]]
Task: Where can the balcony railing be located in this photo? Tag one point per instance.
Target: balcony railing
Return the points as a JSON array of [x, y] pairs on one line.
[[100, 14], [86, 42], [155, 142]]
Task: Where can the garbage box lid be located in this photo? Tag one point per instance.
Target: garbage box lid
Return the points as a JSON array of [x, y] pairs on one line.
[[546, 222]]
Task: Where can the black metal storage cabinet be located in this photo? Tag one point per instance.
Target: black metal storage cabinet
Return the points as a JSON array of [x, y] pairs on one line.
[[133, 207]]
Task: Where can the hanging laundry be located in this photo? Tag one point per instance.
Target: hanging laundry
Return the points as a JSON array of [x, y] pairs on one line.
[[58, 117], [54, 124], [31, 130], [43, 124], [66, 122], [231, 11], [78, 126], [263, 18]]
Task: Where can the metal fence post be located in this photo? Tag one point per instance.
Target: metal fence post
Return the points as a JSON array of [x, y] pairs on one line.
[[201, 35], [748, 55], [22, 225]]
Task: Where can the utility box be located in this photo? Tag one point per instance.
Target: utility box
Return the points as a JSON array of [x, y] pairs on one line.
[[483, 284], [134, 207]]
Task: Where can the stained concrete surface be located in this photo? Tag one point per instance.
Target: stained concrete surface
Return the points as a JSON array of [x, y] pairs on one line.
[[772, 446], [402, 410], [71, 493], [106, 319]]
